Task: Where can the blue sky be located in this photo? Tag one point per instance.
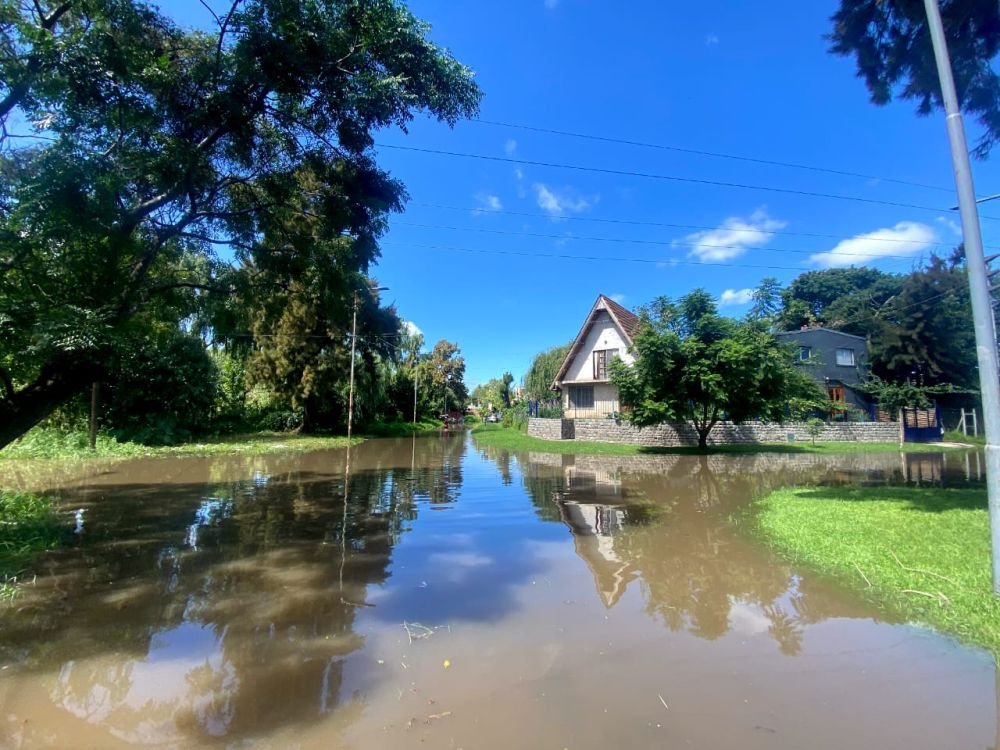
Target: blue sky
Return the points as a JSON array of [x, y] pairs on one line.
[[474, 259]]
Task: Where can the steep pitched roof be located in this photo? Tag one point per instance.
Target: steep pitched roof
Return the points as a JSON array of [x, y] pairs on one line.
[[628, 323]]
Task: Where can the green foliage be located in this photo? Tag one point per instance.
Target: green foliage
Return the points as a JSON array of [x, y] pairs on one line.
[[164, 391], [766, 301], [445, 371], [158, 144], [890, 544], [890, 41], [516, 418], [543, 370], [694, 365], [814, 426], [892, 397], [41, 443], [29, 524]]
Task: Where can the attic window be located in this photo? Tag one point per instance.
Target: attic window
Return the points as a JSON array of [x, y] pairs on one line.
[[805, 352], [601, 359]]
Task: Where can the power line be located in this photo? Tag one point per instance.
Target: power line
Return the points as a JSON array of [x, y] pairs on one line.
[[714, 154], [602, 258], [666, 225], [658, 243], [669, 178]]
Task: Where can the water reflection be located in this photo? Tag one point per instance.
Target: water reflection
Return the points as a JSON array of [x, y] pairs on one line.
[[259, 600]]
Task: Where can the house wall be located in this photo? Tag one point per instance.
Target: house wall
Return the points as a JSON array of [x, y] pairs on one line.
[[824, 344], [603, 334], [605, 400], [725, 433]]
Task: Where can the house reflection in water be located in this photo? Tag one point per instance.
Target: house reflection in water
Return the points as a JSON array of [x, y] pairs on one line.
[[594, 525]]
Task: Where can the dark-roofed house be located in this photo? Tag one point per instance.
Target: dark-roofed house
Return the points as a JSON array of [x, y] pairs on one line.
[[583, 378], [838, 361]]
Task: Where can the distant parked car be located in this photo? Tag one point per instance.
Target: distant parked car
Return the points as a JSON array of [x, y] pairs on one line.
[[494, 417]]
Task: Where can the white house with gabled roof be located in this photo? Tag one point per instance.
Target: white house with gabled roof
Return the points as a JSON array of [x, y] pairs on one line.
[[583, 378]]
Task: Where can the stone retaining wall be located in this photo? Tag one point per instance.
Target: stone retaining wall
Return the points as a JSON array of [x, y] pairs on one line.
[[724, 433]]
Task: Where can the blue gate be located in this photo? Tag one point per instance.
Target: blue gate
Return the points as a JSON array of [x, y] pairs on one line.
[[922, 425]]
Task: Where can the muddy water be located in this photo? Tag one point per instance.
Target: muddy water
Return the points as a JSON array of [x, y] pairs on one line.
[[439, 595]]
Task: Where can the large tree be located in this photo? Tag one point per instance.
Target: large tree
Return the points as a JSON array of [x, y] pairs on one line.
[[445, 370], [152, 146], [697, 366], [891, 44]]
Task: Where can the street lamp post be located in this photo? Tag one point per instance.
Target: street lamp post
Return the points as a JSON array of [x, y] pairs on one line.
[[354, 336]]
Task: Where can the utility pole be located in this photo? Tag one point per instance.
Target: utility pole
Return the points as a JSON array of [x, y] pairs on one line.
[[350, 392], [414, 396], [979, 285], [354, 338]]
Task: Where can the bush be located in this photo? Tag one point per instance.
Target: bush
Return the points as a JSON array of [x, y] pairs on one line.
[[164, 391], [515, 417], [28, 525]]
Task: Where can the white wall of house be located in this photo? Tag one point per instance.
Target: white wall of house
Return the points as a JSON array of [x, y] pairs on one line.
[[604, 334]]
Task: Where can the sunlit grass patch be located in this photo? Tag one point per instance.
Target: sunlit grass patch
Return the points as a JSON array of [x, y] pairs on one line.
[[29, 525], [923, 552]]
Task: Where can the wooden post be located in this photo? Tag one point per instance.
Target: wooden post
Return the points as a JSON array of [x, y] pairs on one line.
[[93, 415]]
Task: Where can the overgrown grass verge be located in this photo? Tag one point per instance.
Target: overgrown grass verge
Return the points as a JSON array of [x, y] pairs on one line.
[[512, 439], [28, 526], [923, 553], [954, 436], [56, 444], [403, 429]]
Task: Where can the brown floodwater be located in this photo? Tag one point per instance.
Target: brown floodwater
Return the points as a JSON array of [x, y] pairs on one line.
[[439, 595]]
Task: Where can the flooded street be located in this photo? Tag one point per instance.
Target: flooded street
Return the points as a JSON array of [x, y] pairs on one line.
[[440, 595]]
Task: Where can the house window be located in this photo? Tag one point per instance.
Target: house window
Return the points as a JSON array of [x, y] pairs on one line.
[[581, 397], [601, 359], [845, 357], [805, 352]]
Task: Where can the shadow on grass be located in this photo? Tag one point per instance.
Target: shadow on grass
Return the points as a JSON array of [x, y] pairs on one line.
[[928, 499]]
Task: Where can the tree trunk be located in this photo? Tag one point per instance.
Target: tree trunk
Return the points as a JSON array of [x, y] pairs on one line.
[[703, 437], [59, 381]]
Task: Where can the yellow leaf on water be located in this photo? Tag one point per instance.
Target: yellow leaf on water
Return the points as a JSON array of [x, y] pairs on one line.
[[447, 663]]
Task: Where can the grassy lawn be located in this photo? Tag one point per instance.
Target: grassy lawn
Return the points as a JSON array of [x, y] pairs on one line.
[[28, 525], [403, 429], [921, 552], [511, 439], [55, 444]]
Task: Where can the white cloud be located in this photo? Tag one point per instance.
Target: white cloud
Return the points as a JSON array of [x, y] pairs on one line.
[[559, 203], [411, 328], [619, 298], [711, 40], [551, 4], [735, 297], [953, 225], [510, 147], [733, 237], [518, 173], [488, 202], [906, 238]]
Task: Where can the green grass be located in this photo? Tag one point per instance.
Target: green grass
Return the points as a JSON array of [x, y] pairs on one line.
[[56, 444], [403, 429], [921, 552], [954, 436], [510, 439], [28, 525]]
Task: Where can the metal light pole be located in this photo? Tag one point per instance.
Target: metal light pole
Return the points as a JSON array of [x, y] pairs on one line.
[[979, 286], [354, 336]]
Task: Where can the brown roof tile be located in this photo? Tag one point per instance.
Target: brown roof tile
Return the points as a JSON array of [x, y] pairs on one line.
[[629, 321]]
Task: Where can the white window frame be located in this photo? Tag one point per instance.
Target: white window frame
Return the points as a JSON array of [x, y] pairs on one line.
[[849, 353]]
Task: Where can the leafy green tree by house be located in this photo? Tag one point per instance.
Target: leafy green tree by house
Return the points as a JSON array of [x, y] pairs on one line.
[[157, 145], [696, 366]]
